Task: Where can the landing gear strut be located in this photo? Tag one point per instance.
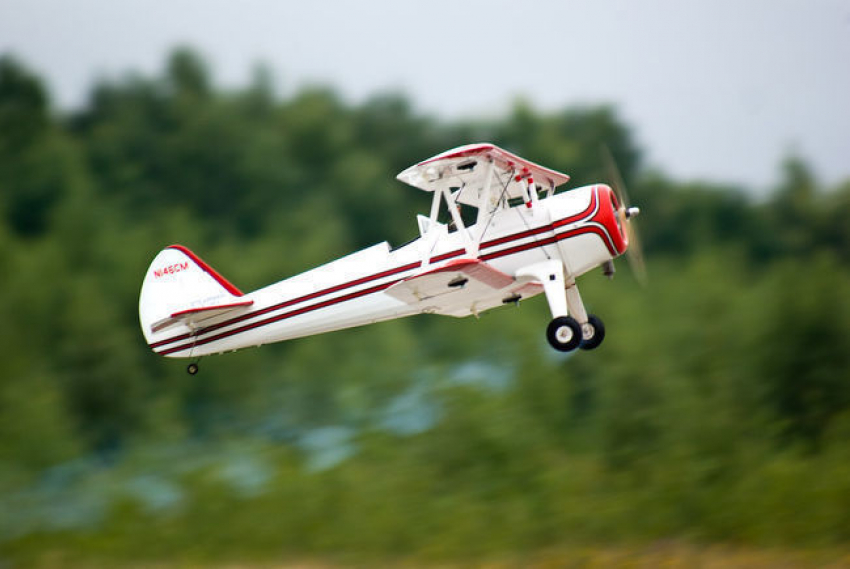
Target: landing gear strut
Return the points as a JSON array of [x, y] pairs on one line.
[[571, 325]]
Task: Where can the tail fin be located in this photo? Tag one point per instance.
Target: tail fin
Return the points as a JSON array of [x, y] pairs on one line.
[[178, 283]]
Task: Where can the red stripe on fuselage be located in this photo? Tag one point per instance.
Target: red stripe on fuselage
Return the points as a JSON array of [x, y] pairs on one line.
[[389, 272], [377, 288], [279, 317], [288, 303]]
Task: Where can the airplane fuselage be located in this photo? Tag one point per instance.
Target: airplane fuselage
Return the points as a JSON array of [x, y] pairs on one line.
[[579, 228]]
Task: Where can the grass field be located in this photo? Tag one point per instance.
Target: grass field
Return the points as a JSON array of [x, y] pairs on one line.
[[665, 554]]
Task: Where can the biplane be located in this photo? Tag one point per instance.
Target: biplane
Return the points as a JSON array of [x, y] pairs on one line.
[[497, 233]]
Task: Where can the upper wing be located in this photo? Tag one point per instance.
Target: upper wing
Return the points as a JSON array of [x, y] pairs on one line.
[[193, 317], [464, 169], [461, 287]]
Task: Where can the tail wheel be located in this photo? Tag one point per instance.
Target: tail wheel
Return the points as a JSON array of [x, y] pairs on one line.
[[192, 369], [564, 333], [593, 332]]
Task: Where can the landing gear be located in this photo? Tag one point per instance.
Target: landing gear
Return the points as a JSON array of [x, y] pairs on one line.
[[572, 326], [192, 368], [564, 333], [593, 332]]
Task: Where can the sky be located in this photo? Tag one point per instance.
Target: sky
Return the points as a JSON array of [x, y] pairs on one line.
[[719, 90]]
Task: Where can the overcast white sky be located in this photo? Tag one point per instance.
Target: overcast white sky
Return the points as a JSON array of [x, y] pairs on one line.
[[715, 89]]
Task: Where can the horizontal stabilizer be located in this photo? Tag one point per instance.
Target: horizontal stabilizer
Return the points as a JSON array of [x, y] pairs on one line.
[[192, 317]]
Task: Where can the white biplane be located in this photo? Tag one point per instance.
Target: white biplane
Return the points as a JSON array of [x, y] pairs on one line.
[[525, 240]]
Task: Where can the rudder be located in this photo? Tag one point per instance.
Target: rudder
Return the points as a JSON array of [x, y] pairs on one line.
[[178, 280]]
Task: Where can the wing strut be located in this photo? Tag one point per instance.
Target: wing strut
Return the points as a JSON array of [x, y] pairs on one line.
[[470, 244], [485, 205], [471, 249]]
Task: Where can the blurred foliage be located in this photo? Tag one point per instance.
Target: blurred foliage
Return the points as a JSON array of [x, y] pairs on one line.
[[718, 409]]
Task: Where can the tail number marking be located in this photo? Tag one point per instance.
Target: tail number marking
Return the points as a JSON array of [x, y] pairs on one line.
[[171, 269]]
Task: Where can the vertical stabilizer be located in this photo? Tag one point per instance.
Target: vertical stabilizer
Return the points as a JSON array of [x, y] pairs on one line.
[[179, 283]]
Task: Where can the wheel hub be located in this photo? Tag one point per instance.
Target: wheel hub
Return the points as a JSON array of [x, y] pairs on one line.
[[564, 334]]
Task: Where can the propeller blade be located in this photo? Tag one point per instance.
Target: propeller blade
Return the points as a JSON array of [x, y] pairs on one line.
[[626, 214], [635, 255], [612, 172]]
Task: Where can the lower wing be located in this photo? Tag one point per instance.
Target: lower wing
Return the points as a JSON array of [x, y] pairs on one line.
[[462, 287]]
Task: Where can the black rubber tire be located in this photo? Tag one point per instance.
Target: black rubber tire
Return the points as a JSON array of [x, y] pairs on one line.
[[192, 369], [598, 334], [555, 333]]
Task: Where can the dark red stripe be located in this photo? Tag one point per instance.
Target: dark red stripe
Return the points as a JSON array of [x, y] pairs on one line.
[[578, 216], [516, 236], [380, 287], [279, 317], [386, 273], [286, 304], [589, 229], [528, 233]]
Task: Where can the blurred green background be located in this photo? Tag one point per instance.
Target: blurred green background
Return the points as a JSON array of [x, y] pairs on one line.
[[716, 412]]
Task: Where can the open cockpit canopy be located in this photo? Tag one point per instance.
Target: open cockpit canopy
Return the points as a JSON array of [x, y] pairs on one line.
[[483, 171]]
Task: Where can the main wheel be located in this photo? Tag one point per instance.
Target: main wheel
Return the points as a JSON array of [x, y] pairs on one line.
[[593, 333], [564, 333], [192, 369]]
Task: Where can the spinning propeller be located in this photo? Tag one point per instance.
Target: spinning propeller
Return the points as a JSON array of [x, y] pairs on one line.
[[625, 216]]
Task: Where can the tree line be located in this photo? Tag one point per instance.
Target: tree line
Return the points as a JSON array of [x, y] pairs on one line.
[[718, 409]]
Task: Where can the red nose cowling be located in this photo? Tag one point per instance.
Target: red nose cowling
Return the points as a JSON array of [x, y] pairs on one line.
[[608, 216]]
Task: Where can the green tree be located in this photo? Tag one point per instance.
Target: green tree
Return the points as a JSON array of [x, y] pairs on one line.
[[805, 356], [31, 163]]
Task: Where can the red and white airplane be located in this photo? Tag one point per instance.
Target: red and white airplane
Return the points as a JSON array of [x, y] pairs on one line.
[[526, 240]]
